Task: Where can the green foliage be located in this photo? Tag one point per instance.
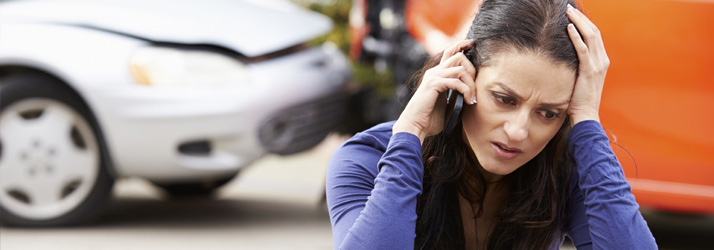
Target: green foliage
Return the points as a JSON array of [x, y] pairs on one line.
[[364, 75], [381, 82], [339, 11]]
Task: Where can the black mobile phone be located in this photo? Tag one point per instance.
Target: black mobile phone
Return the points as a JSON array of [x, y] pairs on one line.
[[454, 104]]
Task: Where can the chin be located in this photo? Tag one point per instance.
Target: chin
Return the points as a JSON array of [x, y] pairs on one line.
[[497, 167], [500, 170]]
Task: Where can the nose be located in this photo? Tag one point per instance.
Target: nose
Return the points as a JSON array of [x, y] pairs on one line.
[[517, 127]]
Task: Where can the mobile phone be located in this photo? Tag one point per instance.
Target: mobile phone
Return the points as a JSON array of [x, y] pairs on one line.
[[454, 105]]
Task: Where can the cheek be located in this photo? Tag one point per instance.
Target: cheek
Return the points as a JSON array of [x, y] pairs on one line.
[[479, 121], [478, 116], [541, 135], [472, 125], [487, 113], [484, 118], [469, 121]]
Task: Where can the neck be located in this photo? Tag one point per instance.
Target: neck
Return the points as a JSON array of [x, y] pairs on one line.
[[490, 178], [477, 229]]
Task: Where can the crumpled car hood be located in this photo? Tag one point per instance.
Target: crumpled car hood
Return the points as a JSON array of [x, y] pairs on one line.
[[250, 27]]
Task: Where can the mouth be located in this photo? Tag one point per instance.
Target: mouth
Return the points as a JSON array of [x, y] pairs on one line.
[[504, 152]]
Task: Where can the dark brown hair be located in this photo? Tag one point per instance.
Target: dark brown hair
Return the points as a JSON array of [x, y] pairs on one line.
[[535, 209]]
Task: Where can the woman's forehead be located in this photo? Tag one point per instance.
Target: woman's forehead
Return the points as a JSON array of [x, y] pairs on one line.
[[528, 73]]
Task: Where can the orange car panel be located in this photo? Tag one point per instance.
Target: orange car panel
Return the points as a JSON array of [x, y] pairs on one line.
[[659, 97], [448, 18]]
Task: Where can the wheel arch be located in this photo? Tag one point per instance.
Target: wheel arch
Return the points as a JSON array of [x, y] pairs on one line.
[[17, 69]]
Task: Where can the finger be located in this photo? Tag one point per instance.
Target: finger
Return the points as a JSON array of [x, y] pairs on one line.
[[461, 74], [455, 48], [468, 73], [580, 47], [457, 72], [578, 17], [587, 28], [445, 84], [459, 59], [592, 37]]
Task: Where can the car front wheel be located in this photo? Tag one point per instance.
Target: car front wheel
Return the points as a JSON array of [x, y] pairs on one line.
[[52, 170]]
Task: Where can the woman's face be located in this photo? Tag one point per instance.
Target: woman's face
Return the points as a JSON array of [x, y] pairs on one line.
[[523, 99]]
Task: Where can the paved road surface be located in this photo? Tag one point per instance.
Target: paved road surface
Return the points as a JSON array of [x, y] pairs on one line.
[[275, 204]]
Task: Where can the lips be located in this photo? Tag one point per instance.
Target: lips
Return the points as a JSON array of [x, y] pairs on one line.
[[504, 152]]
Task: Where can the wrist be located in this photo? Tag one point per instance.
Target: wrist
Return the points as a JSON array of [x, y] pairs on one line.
[[400, 127], [575, 119]]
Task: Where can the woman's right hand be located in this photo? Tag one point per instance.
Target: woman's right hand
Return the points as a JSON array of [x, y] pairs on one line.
[[424, 114]]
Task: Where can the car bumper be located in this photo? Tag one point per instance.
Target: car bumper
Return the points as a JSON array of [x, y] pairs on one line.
[[178, 134]]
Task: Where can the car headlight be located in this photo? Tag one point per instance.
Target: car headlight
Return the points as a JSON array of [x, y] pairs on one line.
[[166, 66]]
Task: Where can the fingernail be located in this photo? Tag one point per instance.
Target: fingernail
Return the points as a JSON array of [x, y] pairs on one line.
[[473, 100], [571, 26], [570, 6]]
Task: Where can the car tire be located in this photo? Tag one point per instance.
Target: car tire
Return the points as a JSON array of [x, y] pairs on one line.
[[53, 166], [195, 189]]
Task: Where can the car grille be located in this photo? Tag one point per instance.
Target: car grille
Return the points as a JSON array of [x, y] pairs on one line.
[[301, 127]]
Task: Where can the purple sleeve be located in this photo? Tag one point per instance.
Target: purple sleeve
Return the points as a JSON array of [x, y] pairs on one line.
[[577, 227], [603, 204], [372, 193]]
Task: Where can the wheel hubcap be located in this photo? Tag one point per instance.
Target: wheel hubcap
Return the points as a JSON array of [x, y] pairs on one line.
[[49, 159]]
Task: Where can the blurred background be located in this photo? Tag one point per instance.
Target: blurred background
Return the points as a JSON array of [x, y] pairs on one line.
[[209, 124]]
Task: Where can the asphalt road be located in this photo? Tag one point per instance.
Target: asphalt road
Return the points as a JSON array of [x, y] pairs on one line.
[[275, 204]]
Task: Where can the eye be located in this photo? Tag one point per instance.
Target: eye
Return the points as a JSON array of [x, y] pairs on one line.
[[549, 115], [504, 99]]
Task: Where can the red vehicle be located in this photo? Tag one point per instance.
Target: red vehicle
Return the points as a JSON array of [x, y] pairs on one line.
[[658, 102]]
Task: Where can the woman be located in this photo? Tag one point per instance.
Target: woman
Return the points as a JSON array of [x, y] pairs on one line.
[[504, 179]]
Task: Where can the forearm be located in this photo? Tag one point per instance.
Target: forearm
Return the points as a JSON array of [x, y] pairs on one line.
[[385, 217], [613, 214]]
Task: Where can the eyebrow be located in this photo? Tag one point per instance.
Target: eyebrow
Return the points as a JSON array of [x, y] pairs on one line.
[[544, 105]]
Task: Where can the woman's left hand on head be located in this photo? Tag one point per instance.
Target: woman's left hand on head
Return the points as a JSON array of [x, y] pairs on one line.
[[585, 102]]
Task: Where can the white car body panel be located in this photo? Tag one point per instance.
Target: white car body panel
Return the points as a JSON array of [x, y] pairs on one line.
[[143, 125], [275, 25]]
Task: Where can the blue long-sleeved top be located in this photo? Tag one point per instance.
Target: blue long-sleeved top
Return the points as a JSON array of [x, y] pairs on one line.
[[374, 178]]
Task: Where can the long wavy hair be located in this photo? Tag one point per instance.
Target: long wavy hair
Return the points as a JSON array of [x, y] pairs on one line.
[[535, 209]]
